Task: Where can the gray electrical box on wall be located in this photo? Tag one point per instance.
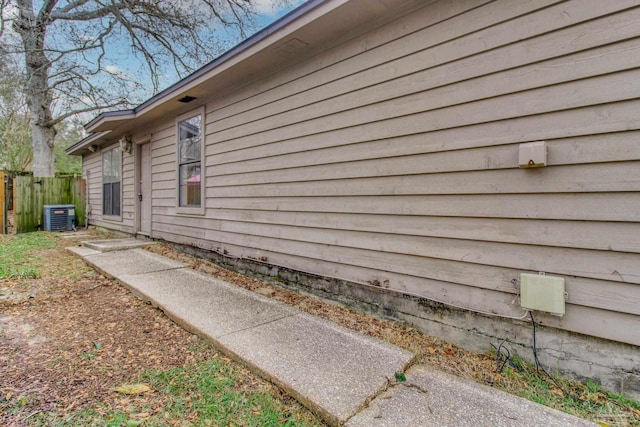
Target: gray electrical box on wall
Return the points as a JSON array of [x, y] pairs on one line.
[[542, 293]]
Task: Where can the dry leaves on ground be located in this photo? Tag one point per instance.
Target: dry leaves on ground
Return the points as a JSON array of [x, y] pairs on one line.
[[71, 336], [73, 340]]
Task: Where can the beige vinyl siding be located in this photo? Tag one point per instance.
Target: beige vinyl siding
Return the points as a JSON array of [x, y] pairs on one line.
[[442, 69], [92, 171], [92, 167], [163, 172], [391, 160], [128, 192]]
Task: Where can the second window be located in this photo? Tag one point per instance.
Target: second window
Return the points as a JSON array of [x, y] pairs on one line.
[[190, 162]]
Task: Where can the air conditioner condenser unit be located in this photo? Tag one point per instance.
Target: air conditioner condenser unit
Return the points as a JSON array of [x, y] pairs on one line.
[[59, 217]]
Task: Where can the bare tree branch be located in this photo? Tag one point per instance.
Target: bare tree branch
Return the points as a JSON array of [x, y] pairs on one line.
[[73, 5], [45, 12], [66, 115], [72, 14], [73, 53]]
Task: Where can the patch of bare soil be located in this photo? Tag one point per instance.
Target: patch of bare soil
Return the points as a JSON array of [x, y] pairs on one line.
[[71, 336]]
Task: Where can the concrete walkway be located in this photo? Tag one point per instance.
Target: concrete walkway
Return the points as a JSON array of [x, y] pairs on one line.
[[343, 376]]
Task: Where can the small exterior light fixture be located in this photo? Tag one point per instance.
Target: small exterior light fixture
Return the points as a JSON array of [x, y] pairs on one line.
[[126, 144], [532, 154]]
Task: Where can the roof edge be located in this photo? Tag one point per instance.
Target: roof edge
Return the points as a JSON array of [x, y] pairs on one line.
[[109, 114], [76, 148]]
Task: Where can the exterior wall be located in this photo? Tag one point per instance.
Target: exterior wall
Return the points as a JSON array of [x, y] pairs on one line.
[[391, 161], [128, 192], [92, 171]]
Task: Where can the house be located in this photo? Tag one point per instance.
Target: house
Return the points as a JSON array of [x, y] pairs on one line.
[[380, 152]]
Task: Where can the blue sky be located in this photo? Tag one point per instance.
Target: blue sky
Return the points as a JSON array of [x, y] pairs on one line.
[[269, 11]]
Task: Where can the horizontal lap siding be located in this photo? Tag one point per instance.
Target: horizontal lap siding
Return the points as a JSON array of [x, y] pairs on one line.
[[92, 167], [350, 162], [92, 171], [163, 170], [128, 192], [393, 159], [465, 68]]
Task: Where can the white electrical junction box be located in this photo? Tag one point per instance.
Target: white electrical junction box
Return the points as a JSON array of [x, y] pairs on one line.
[[542, 293]]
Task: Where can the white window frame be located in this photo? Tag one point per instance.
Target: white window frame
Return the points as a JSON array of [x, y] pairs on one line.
[[105, 216], [191, 210]]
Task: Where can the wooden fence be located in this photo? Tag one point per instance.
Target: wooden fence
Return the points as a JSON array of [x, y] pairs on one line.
[[32, 194]]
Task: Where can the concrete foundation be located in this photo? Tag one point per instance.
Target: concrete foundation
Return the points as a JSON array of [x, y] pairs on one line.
[[615, 366]]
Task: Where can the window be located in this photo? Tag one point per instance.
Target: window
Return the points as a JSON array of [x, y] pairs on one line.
[[111, 169], [190, 168]]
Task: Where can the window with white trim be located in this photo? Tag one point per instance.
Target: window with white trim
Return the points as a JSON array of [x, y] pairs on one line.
[[190, 168], [111, 173]]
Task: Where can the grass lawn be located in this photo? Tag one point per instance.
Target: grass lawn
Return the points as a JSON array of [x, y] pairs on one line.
[[19, 257]]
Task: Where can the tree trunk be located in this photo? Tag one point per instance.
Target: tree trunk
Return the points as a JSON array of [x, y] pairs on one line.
[[42, 138], [42, 131], [32, 31]]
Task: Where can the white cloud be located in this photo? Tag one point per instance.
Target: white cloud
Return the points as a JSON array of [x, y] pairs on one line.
[[274, 7], [264, 7], [116, 71]]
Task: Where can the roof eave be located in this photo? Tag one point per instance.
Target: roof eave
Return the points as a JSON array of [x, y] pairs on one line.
[[108, 116], [83, 146]]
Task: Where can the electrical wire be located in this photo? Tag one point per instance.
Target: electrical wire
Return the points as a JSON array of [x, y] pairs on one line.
[[539, 366], [503, 359]]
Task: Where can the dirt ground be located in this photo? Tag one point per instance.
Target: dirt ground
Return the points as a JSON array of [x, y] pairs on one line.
[[68, 341], [68, 338]]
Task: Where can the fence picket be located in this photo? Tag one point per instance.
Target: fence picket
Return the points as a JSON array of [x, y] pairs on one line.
[[32, 194]]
